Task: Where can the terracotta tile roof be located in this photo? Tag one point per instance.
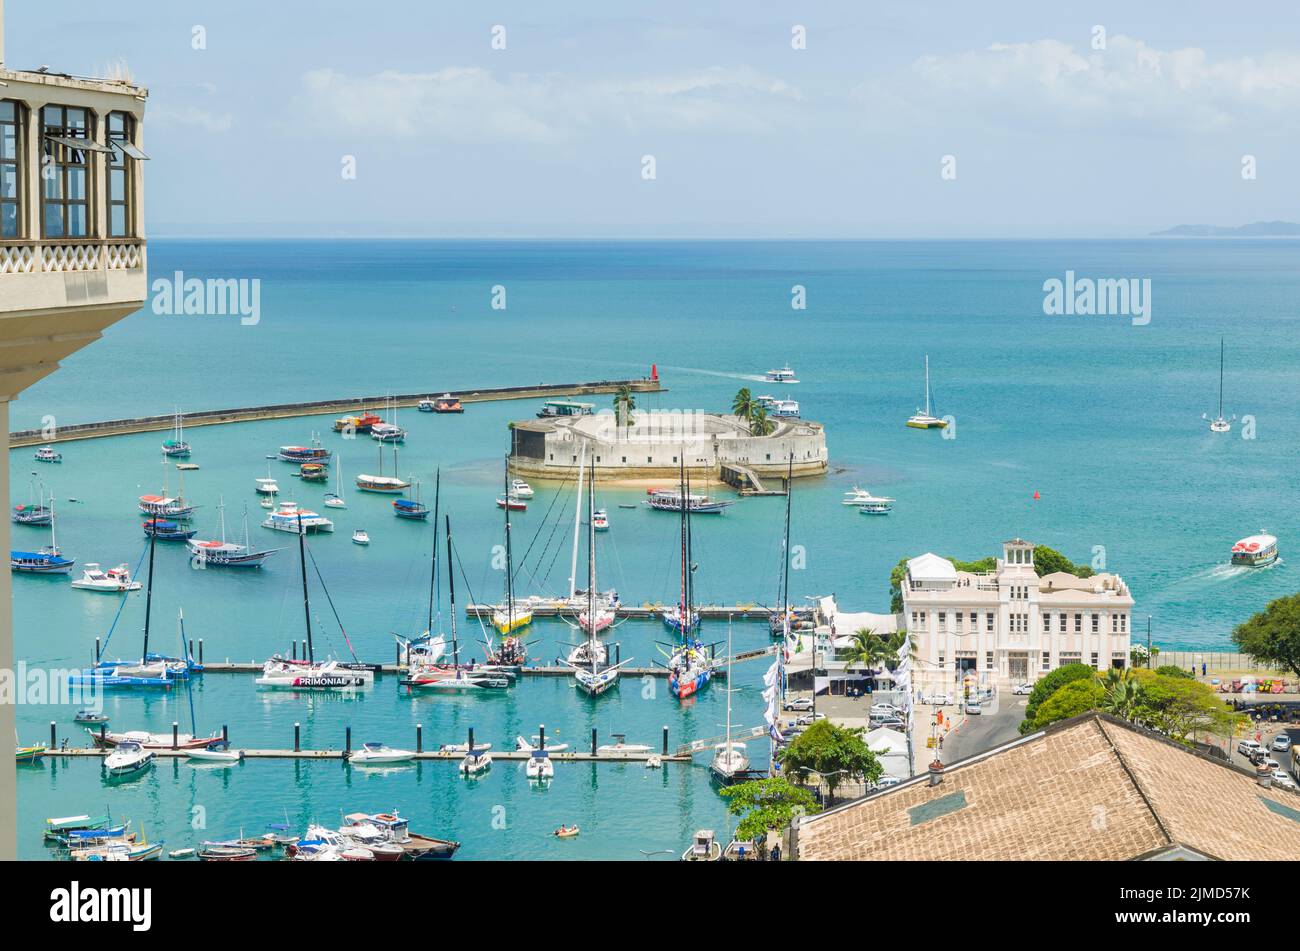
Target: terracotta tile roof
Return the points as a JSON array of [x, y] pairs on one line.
[[1092, 788]]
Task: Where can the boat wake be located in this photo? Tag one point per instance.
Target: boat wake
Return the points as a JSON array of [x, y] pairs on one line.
[[749, 377]]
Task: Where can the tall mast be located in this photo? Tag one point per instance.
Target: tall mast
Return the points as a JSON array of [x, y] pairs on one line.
[[577, 521], [681, 491], [927, 384], [510, 571], [451, 590], [785, 554], [434, 593], [591, 571], [728, 746], [1220, 378], [306, 599], [690, 571], [148, 592], [221, 516]]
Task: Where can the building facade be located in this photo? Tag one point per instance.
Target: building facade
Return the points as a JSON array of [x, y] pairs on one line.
[[72, 259], [1009, 625]]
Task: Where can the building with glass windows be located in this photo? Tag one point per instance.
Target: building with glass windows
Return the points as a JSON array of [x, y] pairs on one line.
[[72, 258]]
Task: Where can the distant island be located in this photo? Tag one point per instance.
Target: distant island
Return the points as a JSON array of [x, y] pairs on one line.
[[1258, 229]]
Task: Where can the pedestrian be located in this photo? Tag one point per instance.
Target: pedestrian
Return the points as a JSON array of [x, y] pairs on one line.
[[776, 852], [1202, 668]]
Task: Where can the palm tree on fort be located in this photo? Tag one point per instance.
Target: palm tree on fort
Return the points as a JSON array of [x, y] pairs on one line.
[[744, 404], [624, 403], [759, 424]]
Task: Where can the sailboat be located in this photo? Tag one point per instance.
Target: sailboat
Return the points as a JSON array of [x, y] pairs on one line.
[[307, 674], [164, 506], [335, 500], [1219, 424], [729, 759], [509, 616], [177, 447], [592, 679], [213, 552], [779, 622], [413, 509], [48, 561], [606, 600], [35, 513], [680, 617], [427, 648], [923, 420], [381, 482], [455, 678], [690, 668]]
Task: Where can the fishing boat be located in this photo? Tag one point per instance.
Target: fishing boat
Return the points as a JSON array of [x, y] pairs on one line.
[[300, 454], [29, 754], [127, 759], [47, 454], [29, 514], [313, 472], [359, 537], [670, 500], [447, 404], [292, 518], [378, 753], [307, 674], [476, 762], [1255, 551], [413, 509], [520, 489], [923, 420], [177, 447], [539, 767], [167, 530], [600, 520], [357, 422], [90, 716], [783, 375], [381, 482], [48, 560], [118, 852], [227, 554], [730, 759], [1219, 424], [510, 616], [335, 500], [868, 504], [113, 581]]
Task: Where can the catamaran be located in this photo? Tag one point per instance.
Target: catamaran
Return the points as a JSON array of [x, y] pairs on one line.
[[290, 517], [1219, 424], [381, 482], [923, 420], [730, 759], [783, 375], [868, 504], [177, 447], [228, 554]]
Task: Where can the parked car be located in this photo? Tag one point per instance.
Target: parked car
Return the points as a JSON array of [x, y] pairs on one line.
[[894, 723], [1022, 690], [1282, 778], [886, 781], [938, 699], [973, 708], [1281, 743], [809, 718], [884, 710], [1248, 747], [799, 703]]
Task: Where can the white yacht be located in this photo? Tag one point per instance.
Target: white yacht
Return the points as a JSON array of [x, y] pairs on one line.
[[783, 375], [379, 753], [868, 504], [289, 517], [267, 486], [923, 420], [520, 489], [1219, 424], [113, 581]]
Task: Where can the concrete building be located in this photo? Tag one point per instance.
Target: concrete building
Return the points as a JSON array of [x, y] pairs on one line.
[[72, 259], [1009, 625], [714, 447]]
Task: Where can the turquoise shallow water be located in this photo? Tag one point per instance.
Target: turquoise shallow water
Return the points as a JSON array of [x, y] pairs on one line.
[[1101, 418]]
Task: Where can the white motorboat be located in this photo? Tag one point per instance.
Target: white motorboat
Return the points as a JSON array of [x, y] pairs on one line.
[[48, 454], [291, 517], [476, 762], [923, 420], [704, 847], [621, 750], [217, 753], [654, 761], [539, 767], [128, 758], [600, 520], [267, 486], [113, 581], [867, 503], [520, 489], [783, 375], [527, 746], [377, 753], [1219, 424], [359, 537], [729, 761]]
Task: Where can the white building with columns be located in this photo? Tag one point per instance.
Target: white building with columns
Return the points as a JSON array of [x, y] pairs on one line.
[[1009, 625]]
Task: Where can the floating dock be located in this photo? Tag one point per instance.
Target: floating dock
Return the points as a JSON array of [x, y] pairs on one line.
[[144, 424], [428, 755]]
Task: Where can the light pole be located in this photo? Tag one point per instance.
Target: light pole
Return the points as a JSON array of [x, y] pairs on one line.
[[1148, 642]]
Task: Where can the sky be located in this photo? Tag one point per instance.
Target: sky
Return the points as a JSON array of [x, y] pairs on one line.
[[895, 120]]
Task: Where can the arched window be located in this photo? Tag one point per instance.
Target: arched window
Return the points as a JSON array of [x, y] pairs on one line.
[[11, 170]]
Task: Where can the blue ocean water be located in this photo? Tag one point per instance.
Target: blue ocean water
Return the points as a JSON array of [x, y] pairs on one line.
[[1101, 418]]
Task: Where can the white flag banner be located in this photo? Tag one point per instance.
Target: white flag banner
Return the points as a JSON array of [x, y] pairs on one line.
[[769, 715], [903, 674], [773, 674], [771, 693]]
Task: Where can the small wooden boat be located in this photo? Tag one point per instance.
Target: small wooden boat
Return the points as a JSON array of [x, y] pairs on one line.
[[512, 503], [227, 853], [29, 754], [180, 854], [566, 832], [167, 530]]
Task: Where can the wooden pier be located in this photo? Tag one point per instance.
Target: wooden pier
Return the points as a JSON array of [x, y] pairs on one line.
[[643, 611], [439, 755]]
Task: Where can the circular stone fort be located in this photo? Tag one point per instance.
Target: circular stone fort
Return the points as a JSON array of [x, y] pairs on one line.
[[652, 444]]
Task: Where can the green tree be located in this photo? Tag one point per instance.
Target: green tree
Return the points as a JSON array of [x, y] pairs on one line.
[[1169, 670], [1181, 707], [1272, 637], [744, 404], [867, 649], [1048, 685], [1124, 695], [835, 753], [759, 424], [1049, 561], [624, 403], [767, 805], [1076, 697]]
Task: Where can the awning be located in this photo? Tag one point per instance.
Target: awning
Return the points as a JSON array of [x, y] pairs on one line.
[[74, 143]]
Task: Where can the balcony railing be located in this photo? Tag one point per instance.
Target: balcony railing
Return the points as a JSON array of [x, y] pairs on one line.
[[70, 256]]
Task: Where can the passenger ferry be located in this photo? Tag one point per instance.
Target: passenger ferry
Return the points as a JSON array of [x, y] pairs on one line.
[[289, 517], [1255, 551], [47, 454], [387, 432], [304, 454], [553, 408], [48, 561], [163, 506], [783, 375]]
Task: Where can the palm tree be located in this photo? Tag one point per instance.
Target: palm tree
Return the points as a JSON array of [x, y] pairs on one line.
[[1124, 695], [624, 403], [868, 649], [744, 404], [759, 424]]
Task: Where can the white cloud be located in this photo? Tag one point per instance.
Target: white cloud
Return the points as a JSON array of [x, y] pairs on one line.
[[190, 116], [470, 104]]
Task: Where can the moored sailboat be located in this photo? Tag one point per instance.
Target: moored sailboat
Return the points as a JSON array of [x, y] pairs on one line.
[[923, 420], [227, 554]]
